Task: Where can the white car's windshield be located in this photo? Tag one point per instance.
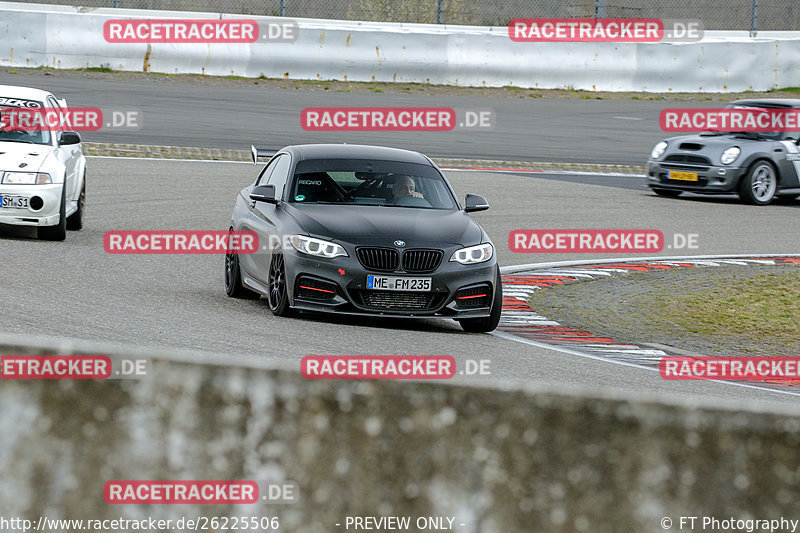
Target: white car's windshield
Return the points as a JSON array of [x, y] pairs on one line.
[[13, 131]]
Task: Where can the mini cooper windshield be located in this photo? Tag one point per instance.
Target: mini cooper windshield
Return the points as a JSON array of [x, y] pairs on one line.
[[367, 182]]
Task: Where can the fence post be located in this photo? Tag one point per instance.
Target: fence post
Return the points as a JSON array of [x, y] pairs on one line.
[[440, 13], [283, 8], [754, 19], [599, 9]]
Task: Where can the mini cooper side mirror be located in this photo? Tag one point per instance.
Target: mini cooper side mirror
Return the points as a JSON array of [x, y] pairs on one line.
[[69, 137], [475, 202], [264, 193]]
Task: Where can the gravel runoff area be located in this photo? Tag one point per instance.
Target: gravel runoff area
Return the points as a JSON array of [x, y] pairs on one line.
[[639, 308]]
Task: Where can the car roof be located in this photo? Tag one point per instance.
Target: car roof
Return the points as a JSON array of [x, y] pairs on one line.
[[28, 93], [355, 151], [769, 102]]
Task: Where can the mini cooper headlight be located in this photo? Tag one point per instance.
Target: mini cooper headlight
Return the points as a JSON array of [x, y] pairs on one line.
[[730, 155], [27, 178], [317, 247], [473, 254], [658, 150]]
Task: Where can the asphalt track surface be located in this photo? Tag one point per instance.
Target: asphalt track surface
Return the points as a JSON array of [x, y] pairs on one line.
[[75, 289], [526, 129]]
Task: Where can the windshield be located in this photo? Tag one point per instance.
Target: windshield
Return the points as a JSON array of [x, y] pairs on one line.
[[362, 182], [770, 135], [12, 131]]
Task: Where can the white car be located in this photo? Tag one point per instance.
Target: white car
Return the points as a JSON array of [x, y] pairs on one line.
[[42, 173]]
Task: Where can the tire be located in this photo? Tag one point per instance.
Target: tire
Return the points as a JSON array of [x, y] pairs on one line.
[[278, 297], [75, 220], [233, 279], [59, 231], [668, 193], [758, 187], [489, 323]]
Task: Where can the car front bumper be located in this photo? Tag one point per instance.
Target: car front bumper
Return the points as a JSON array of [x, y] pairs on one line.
[[47, 215], [711, 179], [453, 289]]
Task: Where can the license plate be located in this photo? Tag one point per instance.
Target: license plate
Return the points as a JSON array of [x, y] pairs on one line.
[[682, 176], [388, 283], [13, 202]]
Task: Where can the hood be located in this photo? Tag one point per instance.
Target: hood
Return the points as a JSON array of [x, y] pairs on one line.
[[708, 142], [31, 156], [373, 225]]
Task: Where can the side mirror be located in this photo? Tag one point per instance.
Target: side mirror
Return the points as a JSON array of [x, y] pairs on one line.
[[68, 137], [475, 202], [264, 193]]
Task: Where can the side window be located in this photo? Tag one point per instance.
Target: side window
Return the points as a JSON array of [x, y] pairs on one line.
[[280, 175], [263, 178]]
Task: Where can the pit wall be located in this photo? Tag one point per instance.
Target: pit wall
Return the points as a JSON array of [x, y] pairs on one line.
[[35, 35]]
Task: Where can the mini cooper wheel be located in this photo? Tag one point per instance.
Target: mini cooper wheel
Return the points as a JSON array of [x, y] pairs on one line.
[[489, 323], [759, 185], [233, 279], [75, 220], [278, 297], [668, 193]]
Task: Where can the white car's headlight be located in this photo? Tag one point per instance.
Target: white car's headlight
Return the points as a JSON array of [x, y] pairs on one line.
[[658, 150], [473, 254], [318, 247], [27, 178], [730, 155]]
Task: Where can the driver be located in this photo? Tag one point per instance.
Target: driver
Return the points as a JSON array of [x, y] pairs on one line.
[[404, 187]]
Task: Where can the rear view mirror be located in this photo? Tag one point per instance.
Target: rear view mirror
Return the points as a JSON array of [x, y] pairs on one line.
[[475, 202], [264, 193]]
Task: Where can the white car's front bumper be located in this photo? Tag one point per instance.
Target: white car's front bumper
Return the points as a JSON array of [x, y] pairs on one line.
[[47, 215]]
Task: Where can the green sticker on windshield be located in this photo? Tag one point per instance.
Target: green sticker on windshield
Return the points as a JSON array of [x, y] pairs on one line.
[[299, 198]]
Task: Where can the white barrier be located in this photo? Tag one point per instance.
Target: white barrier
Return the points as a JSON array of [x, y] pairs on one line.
[[33, 35]]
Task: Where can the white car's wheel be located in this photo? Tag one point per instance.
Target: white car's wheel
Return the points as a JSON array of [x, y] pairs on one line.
[[59, 231], [75, 220]]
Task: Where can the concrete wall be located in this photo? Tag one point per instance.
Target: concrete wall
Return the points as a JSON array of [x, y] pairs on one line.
[[65, 37], [498, 460]]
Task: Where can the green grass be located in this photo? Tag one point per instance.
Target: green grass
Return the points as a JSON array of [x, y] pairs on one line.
[[97, 69], [765, 307]]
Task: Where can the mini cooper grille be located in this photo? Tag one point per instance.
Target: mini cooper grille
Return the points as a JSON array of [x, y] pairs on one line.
[[398, 301], [687, 158], [421, 260], [314, 289], [474, 296], [385, 259]]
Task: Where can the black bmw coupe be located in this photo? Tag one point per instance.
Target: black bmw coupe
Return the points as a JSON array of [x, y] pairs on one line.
[[364, 230]]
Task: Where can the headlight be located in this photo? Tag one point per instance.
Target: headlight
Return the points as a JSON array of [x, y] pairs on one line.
[[318, 247], [730, 155], [27, 178], [473, 254], [658, 150]]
